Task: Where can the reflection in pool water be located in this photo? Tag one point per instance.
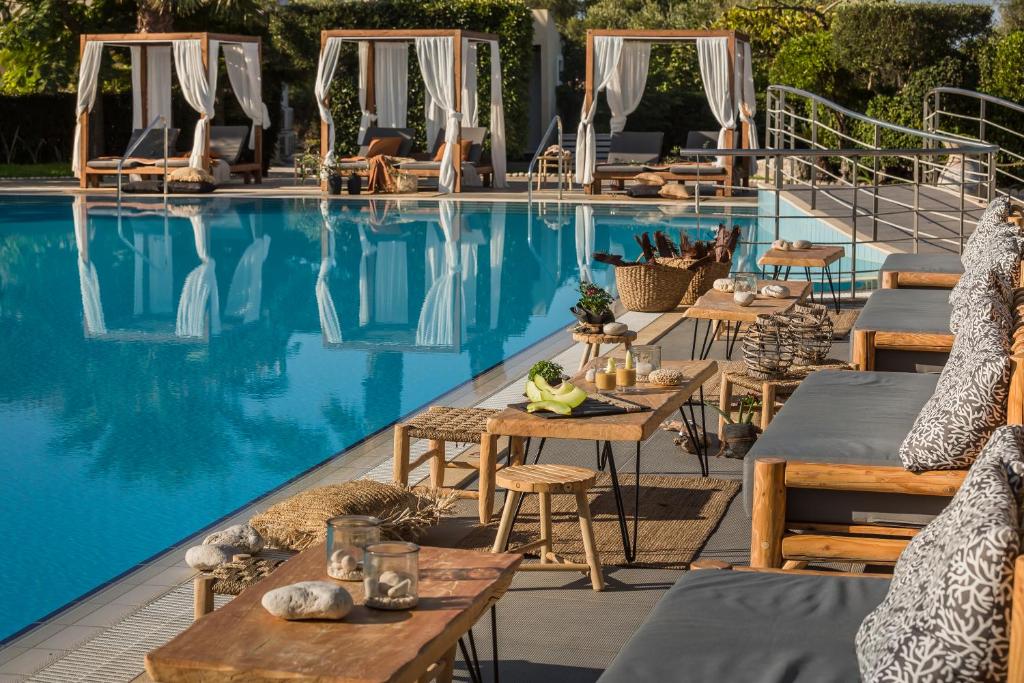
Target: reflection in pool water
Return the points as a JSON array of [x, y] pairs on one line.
[[161, 368]]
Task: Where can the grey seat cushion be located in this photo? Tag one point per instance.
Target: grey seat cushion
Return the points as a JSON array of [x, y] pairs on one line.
[[420, 166], [358, 165], [631, 169], [175, 162], [906, 310], [715, 625], [152, 145], [694, 169], [923, 263], [639, 147], [846, 417], [373, 132], [229, 142]]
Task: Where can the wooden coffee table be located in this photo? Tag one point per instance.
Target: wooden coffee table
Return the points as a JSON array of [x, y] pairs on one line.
[[717, 308], [243, 642], [636, 427], [818, 256]]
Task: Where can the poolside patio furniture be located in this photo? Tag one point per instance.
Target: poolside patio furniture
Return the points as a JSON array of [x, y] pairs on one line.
[[617, 62], [447, 61], [593, 343], [442, 425], [770, 390], [902, 330], [241, 641], [628, 154], [545, 480], [635, 427], [717, 308], [821, 257], [920, 271], [428, 168], [152, 55]]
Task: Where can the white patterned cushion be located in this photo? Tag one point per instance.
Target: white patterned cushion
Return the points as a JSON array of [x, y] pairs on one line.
[[994, 246], [946, 615], [969, 402], [995, 215], [974, 294]]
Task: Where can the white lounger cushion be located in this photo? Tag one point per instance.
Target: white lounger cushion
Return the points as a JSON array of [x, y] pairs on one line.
[[946, 615]]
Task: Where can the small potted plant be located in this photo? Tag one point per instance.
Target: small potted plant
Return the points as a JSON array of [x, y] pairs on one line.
[[330, 172], [553, 373], [740, 432], [594, 307]]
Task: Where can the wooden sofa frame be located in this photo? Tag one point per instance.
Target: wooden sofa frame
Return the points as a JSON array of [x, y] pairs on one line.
[[722, 177], [865, 343], [780, 542], [1016, 625], [895, 279]]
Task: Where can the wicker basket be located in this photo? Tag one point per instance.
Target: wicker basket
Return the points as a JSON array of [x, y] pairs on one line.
[[651, 287], [703, 278], [812, 329], [769, 347]]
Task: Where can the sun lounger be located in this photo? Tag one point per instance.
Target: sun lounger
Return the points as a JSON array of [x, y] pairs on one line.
[[230, 144], [947, 599], [921, 271], [629, 152], [428, 168], [903, 330]]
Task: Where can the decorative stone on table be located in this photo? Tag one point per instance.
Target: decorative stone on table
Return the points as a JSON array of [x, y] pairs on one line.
[[744, 298], [669, 377], [802, 244], [208, 556], [775, 291], [615, 329], [242, 537], [724, 284], [308, 600], [393, 590], [781, 245]]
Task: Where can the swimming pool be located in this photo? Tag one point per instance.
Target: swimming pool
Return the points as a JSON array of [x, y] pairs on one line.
[[163, 368]]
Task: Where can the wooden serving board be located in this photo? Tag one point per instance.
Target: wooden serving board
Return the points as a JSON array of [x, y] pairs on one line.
[[592, 407]]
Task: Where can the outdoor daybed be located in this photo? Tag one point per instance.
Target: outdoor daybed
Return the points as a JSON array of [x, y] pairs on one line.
[[617, 62], [871, 428], [948, 612], [920, 271], [447, 61], [195, 58]]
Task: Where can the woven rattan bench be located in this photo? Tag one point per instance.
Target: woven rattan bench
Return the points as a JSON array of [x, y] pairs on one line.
[[441, 425]]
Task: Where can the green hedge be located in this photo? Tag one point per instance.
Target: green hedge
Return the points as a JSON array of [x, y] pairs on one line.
[[295, 47]]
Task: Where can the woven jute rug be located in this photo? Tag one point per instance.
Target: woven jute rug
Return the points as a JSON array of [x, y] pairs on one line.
[[677, 516], [843, 321]]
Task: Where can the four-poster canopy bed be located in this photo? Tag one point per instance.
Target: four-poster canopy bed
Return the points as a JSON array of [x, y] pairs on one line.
[[617, 62], [447, 60], [195, 60]]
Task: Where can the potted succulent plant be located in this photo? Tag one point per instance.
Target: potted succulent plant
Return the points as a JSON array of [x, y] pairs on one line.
[[594, 307], [740, 432]]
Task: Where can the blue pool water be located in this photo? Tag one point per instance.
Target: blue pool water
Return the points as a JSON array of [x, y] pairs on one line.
[[162, 370]]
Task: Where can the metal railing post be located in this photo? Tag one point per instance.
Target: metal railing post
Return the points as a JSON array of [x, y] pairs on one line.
[[981, 122], [874, 184], [814, 160], [853, 233], [963, 183], [917, 202], [778, 192]]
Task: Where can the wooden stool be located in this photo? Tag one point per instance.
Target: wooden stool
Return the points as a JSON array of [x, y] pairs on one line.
[[594, 341], [545, 480], [441, 425]]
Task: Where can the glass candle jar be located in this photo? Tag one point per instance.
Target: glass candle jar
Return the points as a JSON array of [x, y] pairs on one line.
[[744, 283], [647, 359], [347, 536], [392, 575]]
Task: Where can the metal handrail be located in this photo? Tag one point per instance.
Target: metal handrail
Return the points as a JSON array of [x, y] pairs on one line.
[[132, 147], [556, 122], [933, 113]]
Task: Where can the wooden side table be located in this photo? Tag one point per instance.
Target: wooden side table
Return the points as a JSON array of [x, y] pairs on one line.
[[770, 389], [548, 163], [594, 341], [545, 480], [821, 257]]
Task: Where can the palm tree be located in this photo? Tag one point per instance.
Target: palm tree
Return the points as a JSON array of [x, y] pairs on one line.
[[157, 16]]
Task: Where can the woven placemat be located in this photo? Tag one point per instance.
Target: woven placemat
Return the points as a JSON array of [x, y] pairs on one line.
[[677, 516]]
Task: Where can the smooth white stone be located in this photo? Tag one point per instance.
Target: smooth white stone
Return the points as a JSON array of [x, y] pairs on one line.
[[389, 578], [644, 368], [802, 244], [744, 298], [724, 284], [615, 328], [591, 374], [781, 245], [207, 557], [775, 291], [240, 536], [308, 600], [400, 589]]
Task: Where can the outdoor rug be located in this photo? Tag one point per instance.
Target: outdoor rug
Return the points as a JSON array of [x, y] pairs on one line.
[[677, 516], [843, 321]]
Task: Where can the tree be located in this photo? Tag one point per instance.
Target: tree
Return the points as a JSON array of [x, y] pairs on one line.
[[808, 62], [157, 16], [1001, 63]]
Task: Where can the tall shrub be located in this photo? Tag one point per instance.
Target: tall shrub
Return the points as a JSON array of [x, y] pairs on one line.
[[1001, 63], [295, 48]]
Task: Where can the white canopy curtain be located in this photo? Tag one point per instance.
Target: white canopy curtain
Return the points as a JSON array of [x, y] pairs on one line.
[[626, 88], [242, 61], [607, 50], [713, 56], [158, 83], [199, 86], [470, 103], [391, 67], [438, 317], [366, 117], [585, 241], [330, 327], [497, 258], [497, 120], [154, 262], [748, 95], [245, 295], [199, 296], [88, 85], [89, 283], [436, 57], [324, 76]]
